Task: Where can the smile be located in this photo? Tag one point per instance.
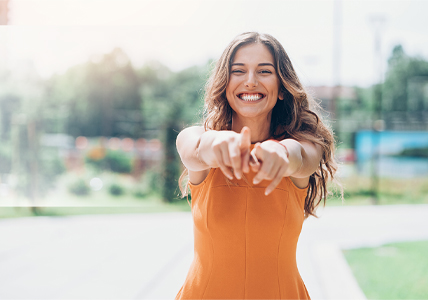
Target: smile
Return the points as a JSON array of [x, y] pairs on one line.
[[250, 97]]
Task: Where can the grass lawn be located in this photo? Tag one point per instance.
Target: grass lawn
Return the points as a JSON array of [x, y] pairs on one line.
[[61, 202], [392, 271], [357, 191], [150, 206]]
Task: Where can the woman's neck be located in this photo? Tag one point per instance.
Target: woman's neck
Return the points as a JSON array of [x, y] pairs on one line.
[[260, 129]]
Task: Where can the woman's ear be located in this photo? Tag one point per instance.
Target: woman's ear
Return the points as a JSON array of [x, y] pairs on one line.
[[281, 95]]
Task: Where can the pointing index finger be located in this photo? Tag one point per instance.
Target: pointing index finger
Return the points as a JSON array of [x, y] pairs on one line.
[[245, 138], [245, 148]]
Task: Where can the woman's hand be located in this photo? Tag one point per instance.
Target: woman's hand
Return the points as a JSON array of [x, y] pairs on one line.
[[273, 163], [227, 150]]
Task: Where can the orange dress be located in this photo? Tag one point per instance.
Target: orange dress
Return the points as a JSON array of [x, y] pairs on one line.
[[245, 242]]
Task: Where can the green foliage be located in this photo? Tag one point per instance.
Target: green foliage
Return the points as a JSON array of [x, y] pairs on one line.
[[150, 183], [79, 187], [9, 103], [171, 101], [113, 160], [98, 98], [392, 271], [153, 181], [415, 152], [5, 158], [116, 190], [51, 164], [401, 101], [118, 162], [358, 191], [171, 166], [140, 194], [401, 69]]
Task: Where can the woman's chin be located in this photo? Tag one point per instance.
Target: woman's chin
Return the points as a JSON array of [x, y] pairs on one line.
[[250, 114]]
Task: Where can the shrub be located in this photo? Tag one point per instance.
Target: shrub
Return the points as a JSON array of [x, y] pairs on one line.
[[115, 161], [79, 188], [116, 190], [119, 162], [140, 194]]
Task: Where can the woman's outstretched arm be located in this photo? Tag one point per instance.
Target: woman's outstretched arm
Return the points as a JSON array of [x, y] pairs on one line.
[[292, 158], [187, 143], [201, 150], [309, 154]]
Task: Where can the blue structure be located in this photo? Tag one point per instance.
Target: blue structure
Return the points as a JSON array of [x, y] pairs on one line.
[[389, 144]]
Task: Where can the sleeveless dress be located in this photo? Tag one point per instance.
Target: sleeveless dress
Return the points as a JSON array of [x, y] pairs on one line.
[[245, 242]]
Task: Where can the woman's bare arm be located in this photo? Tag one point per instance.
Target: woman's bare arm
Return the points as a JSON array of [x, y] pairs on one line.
[[187, 143], [304, 157], [201, 150], [297, 160]]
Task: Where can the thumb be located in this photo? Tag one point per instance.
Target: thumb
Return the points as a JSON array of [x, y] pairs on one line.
[[245, 138]]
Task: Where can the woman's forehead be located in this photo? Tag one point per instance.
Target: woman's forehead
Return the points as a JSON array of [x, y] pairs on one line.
[[253, 53]]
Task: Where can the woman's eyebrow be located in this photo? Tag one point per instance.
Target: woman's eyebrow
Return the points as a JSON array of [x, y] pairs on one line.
[[260, 64], [266, 64]]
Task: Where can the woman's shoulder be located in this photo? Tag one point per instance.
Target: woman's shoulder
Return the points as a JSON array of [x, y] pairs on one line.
[[190, 131]]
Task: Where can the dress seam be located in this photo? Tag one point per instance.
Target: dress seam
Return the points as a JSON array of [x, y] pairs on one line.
[[279, 246], [212, 247], [245, 273]]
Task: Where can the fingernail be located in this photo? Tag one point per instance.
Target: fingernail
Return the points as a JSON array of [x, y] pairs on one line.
[[267, 192]]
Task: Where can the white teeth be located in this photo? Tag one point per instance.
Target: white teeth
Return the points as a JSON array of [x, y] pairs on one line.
[[251, 97]]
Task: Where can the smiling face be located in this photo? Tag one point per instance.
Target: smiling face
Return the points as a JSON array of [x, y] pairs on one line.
[[253, 85]]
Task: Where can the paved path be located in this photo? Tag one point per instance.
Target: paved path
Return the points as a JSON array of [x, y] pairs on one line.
[[146, 256]]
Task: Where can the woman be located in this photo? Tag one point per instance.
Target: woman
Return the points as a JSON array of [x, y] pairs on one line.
[[257, 169]]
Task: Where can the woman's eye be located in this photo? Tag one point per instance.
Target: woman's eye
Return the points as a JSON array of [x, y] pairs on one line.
[[265, 72], [237, 71]]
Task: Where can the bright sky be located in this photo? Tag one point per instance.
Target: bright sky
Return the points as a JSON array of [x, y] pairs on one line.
[[56, 34]]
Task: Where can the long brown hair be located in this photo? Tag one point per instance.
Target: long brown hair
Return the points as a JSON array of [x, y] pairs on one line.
[[295, 117]]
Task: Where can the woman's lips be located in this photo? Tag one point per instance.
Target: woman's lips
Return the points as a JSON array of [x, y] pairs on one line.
[[250, 96]]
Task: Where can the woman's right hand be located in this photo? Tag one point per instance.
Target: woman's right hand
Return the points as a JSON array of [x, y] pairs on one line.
[[227, 150]]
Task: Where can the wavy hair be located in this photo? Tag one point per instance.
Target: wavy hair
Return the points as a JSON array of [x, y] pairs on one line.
[[295, 117]]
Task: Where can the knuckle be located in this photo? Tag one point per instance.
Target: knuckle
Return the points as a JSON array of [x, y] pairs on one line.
[[224, 143]]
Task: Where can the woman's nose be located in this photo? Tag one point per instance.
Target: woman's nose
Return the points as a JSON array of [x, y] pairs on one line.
[[251, 80]]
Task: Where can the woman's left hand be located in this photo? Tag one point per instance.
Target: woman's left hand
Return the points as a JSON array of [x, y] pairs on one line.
[[272, 163]]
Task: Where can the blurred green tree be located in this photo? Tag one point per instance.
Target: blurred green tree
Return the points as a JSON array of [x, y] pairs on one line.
[[25, 166], [172, 101], [98, 98], [401, 70]]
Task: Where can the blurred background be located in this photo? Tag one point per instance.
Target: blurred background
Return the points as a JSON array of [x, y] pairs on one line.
[[93, 94]]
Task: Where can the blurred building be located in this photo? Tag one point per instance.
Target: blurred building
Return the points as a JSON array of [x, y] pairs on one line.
[[332, 109], [327, 93]]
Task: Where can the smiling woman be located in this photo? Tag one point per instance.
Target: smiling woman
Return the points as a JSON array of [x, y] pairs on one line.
[[257, 169], [253, 86]]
